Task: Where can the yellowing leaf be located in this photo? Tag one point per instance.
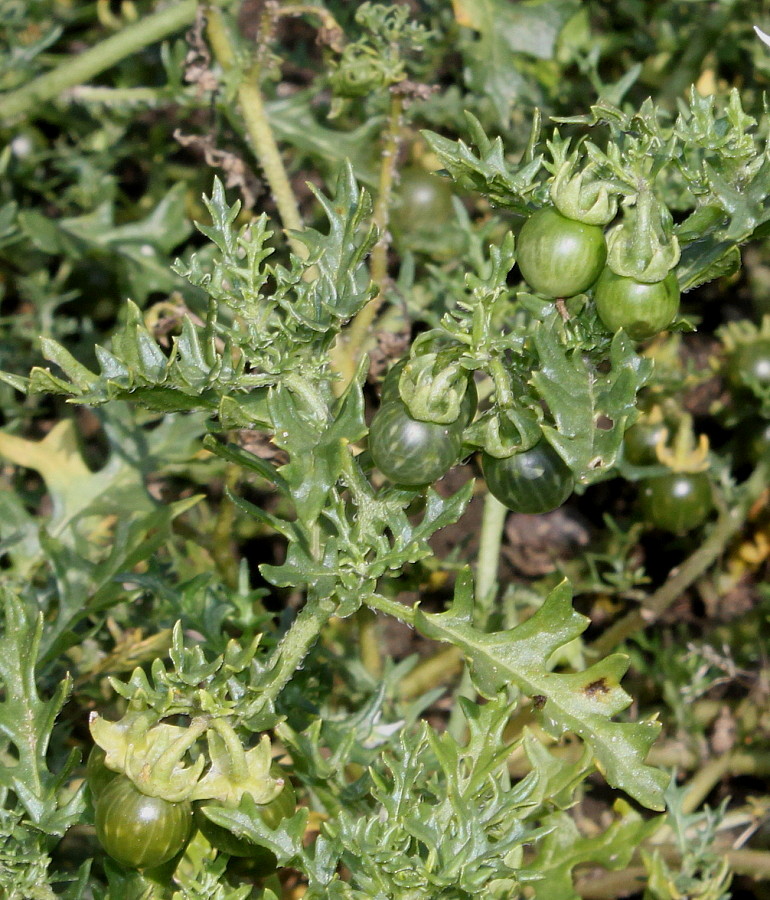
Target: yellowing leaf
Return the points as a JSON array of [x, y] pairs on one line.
[[462, 14], [72, 486]]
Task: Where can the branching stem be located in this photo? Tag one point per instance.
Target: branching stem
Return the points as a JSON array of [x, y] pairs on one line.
[[82, 67]]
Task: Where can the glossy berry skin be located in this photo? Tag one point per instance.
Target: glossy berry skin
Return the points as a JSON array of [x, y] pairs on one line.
[[535, 481], [225, 841], [98, 776], [422, 201], [411, 452], [389, 392], [640, 440], [560, 257], [641, 310], [140, 831], [677, 502]]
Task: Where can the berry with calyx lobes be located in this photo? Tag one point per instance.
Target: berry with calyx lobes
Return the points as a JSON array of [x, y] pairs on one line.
[[642, 310], [560, 257], [140, 831], [533, 481], [409, 451]]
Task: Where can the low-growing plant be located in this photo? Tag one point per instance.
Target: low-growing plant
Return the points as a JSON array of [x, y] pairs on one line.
[[272, 433]]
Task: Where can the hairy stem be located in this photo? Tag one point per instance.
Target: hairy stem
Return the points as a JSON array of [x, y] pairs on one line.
[[729, 523], [258, 128], [392, 608], [296, 643], [83, 66]]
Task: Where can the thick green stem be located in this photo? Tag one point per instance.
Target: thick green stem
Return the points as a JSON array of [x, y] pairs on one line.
[[259, 130], [729, 523], [82, 67], [491, 540], [353, 341], [296, 644]]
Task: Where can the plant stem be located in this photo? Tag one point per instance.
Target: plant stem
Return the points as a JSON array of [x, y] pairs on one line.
[[729, 523], [368, 641], [82, 67], [296, 643], [353, 342], [492, 525], [704, 781], [259, 130], [742, 762], [392, 608]]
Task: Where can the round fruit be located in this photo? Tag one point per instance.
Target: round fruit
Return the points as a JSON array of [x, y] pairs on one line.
[[641, 310], [750, 362], [389, 392], [98, 776], [411, 452], [640, 440], [422, 202], [535, 481], [140, 831], [224, 840], [560, 257], [677, 502]]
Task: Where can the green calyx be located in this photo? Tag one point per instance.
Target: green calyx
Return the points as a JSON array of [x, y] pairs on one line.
[[359, 72], [507, 431], [151, 754], [234, 771], [579, 195], [162, 760], [643, 246], [435, 389]]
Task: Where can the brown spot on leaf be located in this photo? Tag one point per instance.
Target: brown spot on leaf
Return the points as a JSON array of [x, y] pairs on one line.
[[599, 686]]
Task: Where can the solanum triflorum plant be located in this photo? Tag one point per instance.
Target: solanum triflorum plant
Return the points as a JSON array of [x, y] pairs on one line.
[[534, 369]]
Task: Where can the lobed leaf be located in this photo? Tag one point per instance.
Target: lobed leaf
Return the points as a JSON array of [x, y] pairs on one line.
[[582, 702]]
